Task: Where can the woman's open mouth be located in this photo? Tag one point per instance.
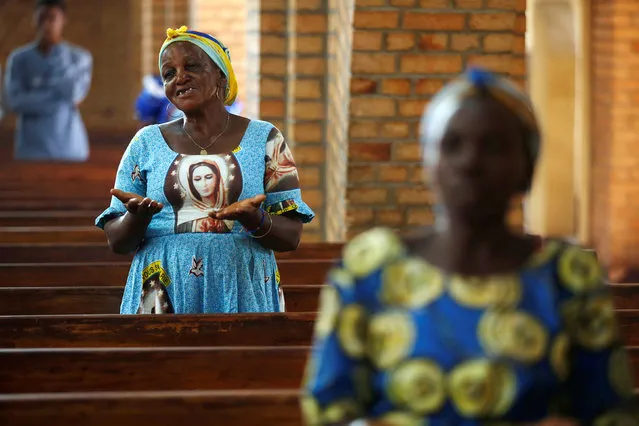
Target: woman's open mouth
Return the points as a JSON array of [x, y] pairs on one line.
[[184, 92]]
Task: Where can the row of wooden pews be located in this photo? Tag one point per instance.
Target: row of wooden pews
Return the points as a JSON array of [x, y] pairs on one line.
[[67, 357]]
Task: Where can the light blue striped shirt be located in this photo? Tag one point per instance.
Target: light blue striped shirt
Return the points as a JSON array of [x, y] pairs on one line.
[[44, 91]]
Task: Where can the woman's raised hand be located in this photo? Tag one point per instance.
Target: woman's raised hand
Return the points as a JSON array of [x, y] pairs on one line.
[[137, 205], [247, 212]]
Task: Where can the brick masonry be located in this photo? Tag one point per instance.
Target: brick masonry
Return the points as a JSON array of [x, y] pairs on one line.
[[615, 114], [403, 52]]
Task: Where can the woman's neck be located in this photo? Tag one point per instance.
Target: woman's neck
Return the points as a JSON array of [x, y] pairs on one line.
[[461, 244], [45, 45], [208, 122]]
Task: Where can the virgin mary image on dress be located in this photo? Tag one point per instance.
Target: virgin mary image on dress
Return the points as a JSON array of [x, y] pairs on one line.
[[198, 185]]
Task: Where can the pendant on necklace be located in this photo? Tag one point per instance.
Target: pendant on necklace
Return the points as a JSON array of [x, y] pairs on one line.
[[203, 152]]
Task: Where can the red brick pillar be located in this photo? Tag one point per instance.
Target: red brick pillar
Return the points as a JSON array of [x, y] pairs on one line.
[[615, 133]]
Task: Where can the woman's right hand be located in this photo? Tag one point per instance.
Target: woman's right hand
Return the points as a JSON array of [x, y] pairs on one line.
[[141, 207]]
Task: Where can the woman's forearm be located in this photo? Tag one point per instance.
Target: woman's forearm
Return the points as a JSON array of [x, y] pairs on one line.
[[125, 233], [284, 235]]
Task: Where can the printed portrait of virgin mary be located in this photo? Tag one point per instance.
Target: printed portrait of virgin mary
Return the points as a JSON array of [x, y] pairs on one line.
[[202, 183]]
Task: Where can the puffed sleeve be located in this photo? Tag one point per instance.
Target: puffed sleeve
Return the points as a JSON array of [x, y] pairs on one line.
[[130, 177], [600, 382], [281, 180]]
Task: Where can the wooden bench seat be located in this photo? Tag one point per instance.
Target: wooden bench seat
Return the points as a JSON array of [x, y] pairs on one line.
[[100, 252], [157, 408], [36, 204], [177, 368], [44, 234], [48, 218], [292, 271], [85, 331], [133, 369], [107, 300], [102, 300]]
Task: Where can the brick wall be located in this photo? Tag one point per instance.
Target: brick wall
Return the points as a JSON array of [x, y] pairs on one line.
[[615, 159], [403, 52], [293, 83], [157, 16], [110, 30], [226, 20]]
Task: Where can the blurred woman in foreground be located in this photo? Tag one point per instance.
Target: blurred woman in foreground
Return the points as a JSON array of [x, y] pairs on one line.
[[469, 323]]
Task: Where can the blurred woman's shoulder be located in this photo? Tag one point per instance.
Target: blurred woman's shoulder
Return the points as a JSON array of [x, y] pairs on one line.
[[372, 250]]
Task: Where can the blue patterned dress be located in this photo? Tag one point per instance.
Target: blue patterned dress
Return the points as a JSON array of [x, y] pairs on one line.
[[399, 340], [188, 262]]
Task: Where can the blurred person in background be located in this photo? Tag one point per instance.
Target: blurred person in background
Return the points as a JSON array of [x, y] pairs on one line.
[[45, 82]]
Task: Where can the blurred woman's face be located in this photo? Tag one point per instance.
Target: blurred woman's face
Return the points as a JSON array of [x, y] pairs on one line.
[[482, 162], [204, 181]]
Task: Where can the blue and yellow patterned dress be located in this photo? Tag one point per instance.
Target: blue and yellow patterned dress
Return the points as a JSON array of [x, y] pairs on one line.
[[400, 341], [189, 263]]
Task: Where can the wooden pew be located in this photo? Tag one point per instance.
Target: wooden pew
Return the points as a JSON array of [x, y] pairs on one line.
[[103, 300], [107, 300], [57, 204], [158, 408], [292, 271], [55, 331], [147, 369], [48, 218], [94, 331], [48, 234], [140, 369], [625, 295], [100, 252]]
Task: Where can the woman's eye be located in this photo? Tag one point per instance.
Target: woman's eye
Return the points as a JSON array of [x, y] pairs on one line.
[[167, 75], [451, 144], [197, 178]]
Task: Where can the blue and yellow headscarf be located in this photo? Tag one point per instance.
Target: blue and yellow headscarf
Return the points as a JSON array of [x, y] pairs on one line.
[[449, 100], [218, 53]]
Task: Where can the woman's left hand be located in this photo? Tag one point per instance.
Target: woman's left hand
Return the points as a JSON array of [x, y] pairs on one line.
[[247, 212]]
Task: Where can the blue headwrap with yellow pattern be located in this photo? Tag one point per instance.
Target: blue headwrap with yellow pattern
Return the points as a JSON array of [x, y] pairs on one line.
[[449, 100], [218, 53]]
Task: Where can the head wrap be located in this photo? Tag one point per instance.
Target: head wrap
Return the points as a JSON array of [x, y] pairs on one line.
[[218, 53], [449, 100]]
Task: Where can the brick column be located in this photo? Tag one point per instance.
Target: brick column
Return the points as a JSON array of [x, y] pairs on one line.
[[615, 137], [403, 52], [156, 17], [303, 70], [227, 20], [337, 119]]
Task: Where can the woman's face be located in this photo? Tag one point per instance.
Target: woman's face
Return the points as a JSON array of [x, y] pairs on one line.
[[191, 79], [482, 162], [204, 181]]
